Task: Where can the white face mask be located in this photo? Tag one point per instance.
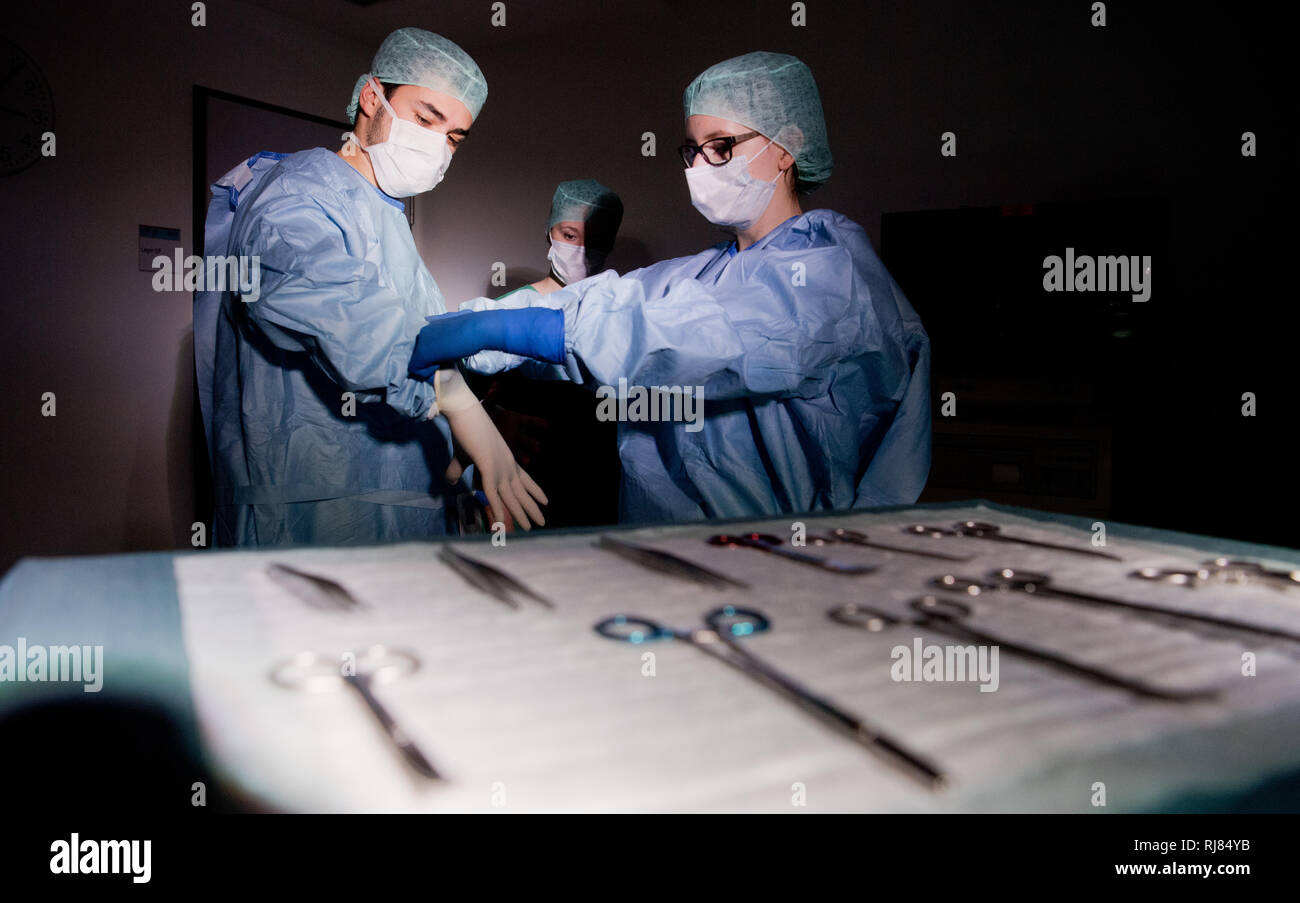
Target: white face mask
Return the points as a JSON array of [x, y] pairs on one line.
[[568, 261], [412, 160], [729, 195]]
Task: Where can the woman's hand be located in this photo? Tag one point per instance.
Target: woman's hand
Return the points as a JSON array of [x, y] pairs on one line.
[[511, 493]]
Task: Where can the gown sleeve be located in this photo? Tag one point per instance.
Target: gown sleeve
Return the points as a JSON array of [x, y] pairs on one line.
[[318, 297]]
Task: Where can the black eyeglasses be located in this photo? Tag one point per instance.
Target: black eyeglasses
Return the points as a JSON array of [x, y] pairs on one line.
[[716, 151]]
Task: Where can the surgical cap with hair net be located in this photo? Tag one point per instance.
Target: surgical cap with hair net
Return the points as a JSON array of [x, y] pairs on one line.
[[413, 56], [771, 93], [591, 203]]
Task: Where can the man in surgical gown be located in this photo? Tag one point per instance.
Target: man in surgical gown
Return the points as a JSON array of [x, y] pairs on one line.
[[814, 366], [320, 435]]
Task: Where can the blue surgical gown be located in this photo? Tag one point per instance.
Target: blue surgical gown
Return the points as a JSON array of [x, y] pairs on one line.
[[343, 294], [815, 372]]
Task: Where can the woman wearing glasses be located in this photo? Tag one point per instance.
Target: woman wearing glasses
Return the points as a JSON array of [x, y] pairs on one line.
[[814, 367]]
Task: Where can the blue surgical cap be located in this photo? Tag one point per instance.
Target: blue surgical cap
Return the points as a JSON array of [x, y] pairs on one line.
[[588, 202], [771, 93], [413, 56]]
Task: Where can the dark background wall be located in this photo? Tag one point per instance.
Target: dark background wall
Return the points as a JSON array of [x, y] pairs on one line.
[[1046, 109]]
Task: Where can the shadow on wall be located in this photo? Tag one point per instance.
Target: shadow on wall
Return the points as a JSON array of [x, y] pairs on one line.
[[631, 254]]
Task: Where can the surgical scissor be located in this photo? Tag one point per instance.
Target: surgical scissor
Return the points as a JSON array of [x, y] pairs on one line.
[[491, 580], [981, 530], [1040, 585], [718, 638], [950, 617], [1223, 571], [315, 672], [858, 538], [767, 542]]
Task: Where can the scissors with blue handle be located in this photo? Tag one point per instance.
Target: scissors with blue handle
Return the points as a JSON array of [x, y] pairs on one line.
[[719, 639]]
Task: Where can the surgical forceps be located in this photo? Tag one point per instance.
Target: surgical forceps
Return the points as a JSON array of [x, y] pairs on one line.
[[1040, 585], [718, 638], [668, 563], [950, 617], [767, 542], [489, 579], [981, 530], [313, 589], [313, 672]]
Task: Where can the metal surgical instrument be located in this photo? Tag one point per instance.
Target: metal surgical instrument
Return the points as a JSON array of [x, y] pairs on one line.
[[950, 617], [767, 542], [858, 538], [1040, 585], [489, 579], [718, 638], [981, 530], [668, 563], [314, 672], [317, 591], [1223, 572]]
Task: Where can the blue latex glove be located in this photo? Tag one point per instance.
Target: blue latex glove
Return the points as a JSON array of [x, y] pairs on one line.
[[535, 332]]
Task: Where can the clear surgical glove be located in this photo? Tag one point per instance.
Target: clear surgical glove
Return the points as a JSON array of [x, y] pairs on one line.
[[510, 491]]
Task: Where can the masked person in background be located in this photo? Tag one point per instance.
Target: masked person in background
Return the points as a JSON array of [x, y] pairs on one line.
[[320, 435], [814, 366], [551, 424], [585, 216]]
